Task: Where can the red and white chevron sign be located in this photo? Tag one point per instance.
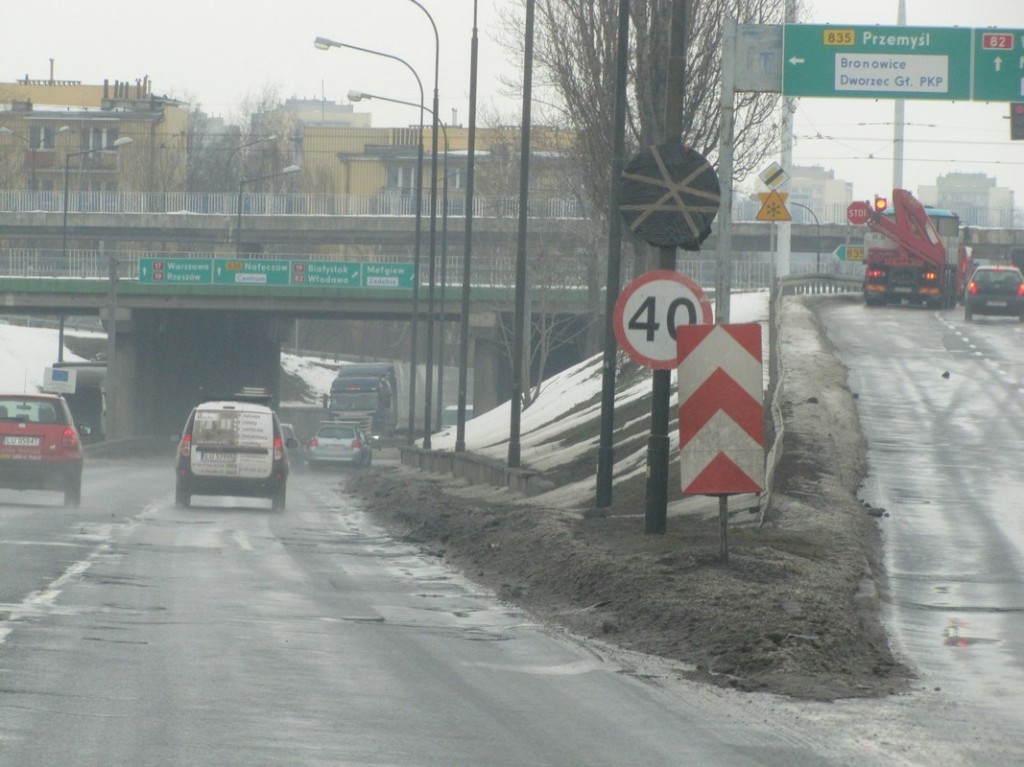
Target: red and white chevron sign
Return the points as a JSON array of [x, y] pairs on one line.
[[721, 411]]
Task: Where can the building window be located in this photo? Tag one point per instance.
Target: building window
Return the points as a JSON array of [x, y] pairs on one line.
[[99, 138], [400, 177]]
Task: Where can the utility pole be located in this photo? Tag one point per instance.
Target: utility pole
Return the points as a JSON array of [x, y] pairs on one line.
[[656, 499]]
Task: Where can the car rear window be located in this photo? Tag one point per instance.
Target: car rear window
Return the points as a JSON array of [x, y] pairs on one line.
[[336, 432], [228, 427], [997, 277], [29, 410]]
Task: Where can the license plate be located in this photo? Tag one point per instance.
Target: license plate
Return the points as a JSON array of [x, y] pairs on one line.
[[902, 290], [19, 441], [995, 303], [218, 457]]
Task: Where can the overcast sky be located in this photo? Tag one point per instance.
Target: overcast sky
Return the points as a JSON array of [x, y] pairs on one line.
[[218, 53]]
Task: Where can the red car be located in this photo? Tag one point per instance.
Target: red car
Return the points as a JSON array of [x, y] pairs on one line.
[[39, 445]]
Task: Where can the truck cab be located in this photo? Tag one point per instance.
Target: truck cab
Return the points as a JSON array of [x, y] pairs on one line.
[[365, 400]]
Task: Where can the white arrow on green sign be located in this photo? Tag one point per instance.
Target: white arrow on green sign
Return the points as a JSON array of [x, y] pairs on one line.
[[998, 64]]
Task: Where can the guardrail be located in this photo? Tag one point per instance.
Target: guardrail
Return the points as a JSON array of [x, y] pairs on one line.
[[819, 284], [790, 285], [496, 271]]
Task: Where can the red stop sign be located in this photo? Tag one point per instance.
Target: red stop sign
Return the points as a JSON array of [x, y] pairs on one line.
[[858, 212]]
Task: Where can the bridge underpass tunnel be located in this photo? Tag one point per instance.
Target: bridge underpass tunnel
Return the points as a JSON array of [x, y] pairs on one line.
[[170, 360]]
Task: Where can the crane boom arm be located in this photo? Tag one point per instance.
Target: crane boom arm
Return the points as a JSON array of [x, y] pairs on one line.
[[910, 228]]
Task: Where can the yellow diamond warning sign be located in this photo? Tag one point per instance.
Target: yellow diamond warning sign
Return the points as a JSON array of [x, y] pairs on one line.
[[773, 206]]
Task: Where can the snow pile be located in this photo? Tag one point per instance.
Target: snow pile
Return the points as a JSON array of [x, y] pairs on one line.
[[318, 373], [25, 352], [554, 412]]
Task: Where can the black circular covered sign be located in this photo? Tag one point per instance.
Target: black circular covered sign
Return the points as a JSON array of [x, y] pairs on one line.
[[669, 196]]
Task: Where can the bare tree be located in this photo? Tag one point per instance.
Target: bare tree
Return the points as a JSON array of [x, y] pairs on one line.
[[574, 76], [553, 326], [257, 141]]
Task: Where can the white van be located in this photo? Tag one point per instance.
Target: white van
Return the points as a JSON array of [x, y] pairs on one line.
[[232, 448]]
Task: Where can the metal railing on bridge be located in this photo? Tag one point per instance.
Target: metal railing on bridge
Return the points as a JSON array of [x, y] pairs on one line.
[[283, 204], [488, 271], [388, 204]]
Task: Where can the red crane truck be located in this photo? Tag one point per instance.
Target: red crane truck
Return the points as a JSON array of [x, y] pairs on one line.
[[913, 254]]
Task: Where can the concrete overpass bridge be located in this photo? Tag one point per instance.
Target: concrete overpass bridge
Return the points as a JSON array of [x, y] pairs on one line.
[[175, 345]]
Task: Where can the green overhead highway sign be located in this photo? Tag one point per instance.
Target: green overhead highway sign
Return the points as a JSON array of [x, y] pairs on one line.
[[388, 275], [950, 64], [175, 271], [259, 271], [876, 62], [998, 64], [251, 271], [327, 274]]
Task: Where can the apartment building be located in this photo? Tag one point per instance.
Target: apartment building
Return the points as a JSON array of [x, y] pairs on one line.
[[56, 131], [65, 134]]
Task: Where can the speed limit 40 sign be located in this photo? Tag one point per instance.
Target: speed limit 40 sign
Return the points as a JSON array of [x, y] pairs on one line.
[[649, 310]]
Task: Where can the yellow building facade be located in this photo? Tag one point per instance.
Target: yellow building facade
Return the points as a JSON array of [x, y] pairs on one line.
[[61, 133], [57, 130]]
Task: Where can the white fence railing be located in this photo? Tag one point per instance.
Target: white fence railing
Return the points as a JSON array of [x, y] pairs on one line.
[[394, 204], [284, 204]]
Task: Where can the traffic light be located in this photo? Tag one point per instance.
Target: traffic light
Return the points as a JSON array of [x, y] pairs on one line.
[[881, 203], [1017, 121]]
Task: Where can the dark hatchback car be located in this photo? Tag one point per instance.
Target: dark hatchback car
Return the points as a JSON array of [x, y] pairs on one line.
[[39, 445], [996, 290]]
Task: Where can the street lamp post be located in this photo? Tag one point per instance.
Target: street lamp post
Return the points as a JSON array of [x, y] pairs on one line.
[[460, 430], [818, 225], [520, 339], [110, 383], [118, 143], [5, 131], [241, 185], [323, 44], [354, 95], [433, 229], [236, 151]]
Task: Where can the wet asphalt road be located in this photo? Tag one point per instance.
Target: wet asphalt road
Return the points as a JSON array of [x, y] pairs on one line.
[[941, 403], [135, 633]]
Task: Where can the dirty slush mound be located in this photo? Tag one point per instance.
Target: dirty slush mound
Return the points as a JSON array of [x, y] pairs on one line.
[[793, 612]]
